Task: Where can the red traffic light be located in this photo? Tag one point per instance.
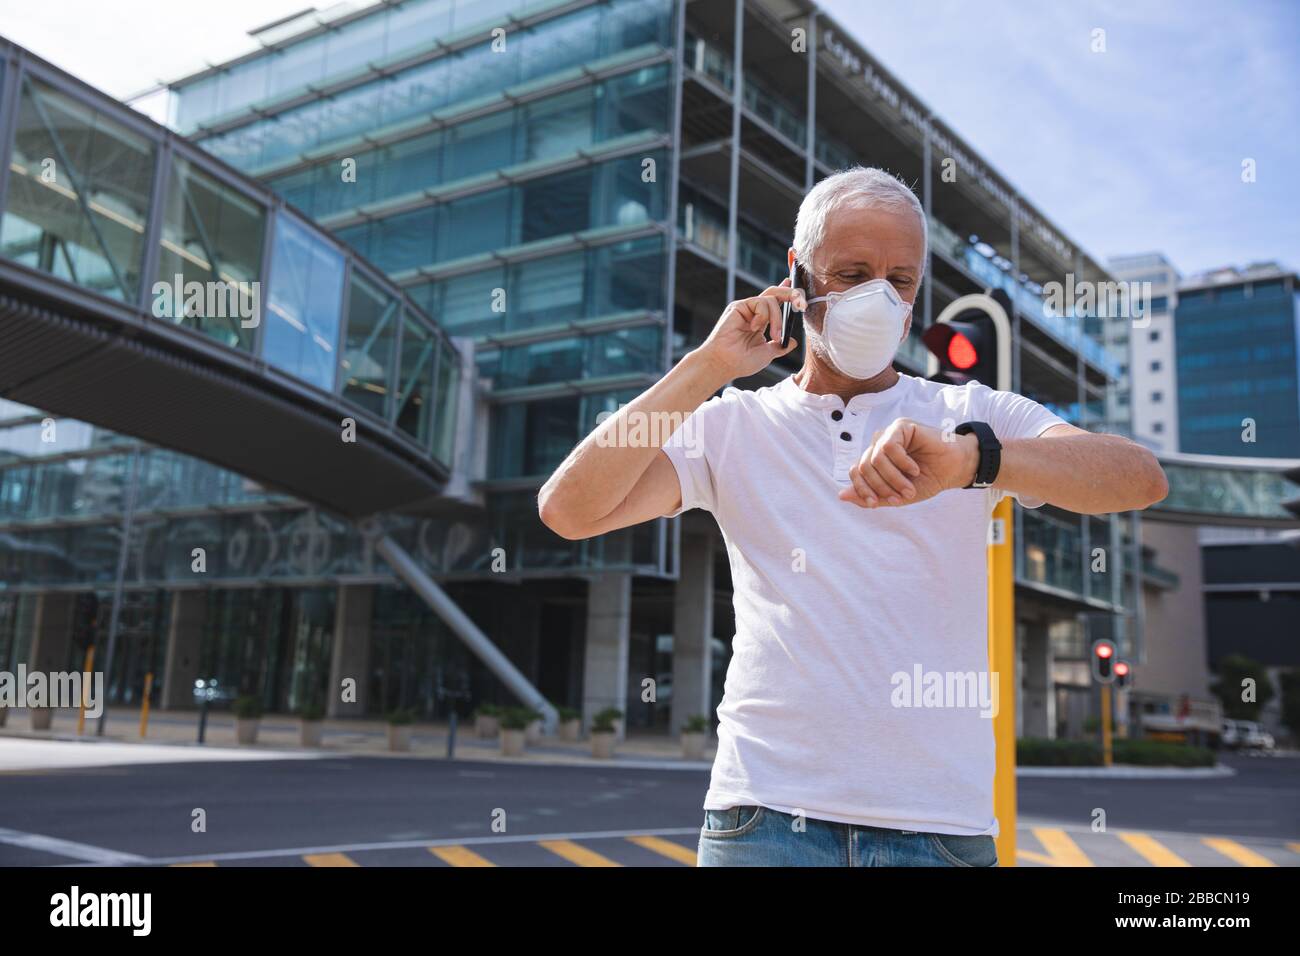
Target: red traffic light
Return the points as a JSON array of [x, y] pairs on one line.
[[1121, 669], [1103, 661], [961, 351]]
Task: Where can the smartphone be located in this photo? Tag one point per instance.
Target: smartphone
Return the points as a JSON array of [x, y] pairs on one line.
[[797, 281]]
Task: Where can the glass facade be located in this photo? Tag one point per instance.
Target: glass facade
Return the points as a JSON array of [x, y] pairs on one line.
[[78, 193], [1222, 330]]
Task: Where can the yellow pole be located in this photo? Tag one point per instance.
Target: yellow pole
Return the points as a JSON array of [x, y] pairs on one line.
[[85, 688], [1105, 725], [1002, 662], [144, 704]]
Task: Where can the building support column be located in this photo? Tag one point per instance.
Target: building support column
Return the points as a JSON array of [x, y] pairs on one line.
[[51, 638], [350, 654], [186, 621], [605, 660], [693, 632], [1038, 716]]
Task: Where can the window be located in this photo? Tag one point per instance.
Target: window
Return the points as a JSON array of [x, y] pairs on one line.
[[210, 234], [1157, 397], [1156, 365], [1157, 428], [302, 313], [1154, 336], [373, 319]]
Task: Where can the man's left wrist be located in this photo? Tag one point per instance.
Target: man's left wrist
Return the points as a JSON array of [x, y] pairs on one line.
[[970, 459]]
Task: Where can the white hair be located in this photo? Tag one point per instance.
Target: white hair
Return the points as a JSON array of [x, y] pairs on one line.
[[861, 187]]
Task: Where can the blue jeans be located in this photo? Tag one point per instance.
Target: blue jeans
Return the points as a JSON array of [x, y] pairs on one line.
[[758, 836]]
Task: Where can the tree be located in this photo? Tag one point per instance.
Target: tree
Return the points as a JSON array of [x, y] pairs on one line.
[[1243, 687]]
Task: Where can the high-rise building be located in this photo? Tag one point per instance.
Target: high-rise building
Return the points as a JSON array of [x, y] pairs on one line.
[[1238, 348], [1146, 393], [575, 189]]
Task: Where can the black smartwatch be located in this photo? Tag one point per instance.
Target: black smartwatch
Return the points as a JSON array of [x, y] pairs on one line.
[[990, 452]]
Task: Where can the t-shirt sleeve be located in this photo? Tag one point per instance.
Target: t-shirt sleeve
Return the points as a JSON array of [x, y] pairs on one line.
[[694, 455], [1014, 416]]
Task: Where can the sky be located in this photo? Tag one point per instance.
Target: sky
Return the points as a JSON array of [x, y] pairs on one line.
[[1138, 148]]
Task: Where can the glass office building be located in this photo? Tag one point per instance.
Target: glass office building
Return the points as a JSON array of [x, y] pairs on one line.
[[1228, 321], [577, 189]]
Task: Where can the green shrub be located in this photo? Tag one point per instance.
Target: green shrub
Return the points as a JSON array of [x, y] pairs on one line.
[[488, 710], [248, 707], [401, 717], [1040, 752], [516, 718], [568, 713], [311, 711], [697, 724]]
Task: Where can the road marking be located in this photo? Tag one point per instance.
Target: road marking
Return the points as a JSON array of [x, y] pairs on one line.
[[1293, 847], [576, 854], [83, 852], [417, 844], [1062, 850], [1152, 850], [459, 856], [1033, 857], [329, 859], [1236, 852], [204, 863], [674, 851]]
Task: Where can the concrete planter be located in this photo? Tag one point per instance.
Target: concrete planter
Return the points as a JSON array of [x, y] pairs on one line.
[[399, 737], [310, 732], [486, 727], [246, 730], [4, 715], [571, 729], [512, 742], [602, 744], [693, 745], [533, 732]]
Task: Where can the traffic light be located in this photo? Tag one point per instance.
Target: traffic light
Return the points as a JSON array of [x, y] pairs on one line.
[[1103, 661], [1123, 674], [971, 340]]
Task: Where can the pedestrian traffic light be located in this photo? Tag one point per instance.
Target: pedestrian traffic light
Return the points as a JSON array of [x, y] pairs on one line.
[[971, 341], [1123, 674], [1103, 661]]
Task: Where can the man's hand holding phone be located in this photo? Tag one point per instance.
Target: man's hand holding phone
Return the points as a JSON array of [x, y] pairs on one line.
[[737, 346]]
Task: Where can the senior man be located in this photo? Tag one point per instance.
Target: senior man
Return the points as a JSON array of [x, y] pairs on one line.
[[855, 503]]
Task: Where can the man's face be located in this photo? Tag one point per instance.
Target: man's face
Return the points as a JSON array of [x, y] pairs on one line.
[[864, 244]]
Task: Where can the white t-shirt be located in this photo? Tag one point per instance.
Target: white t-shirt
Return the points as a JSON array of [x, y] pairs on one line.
[[844, 614]]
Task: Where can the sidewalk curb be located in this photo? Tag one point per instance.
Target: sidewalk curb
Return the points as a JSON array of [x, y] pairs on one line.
[[1129, 773]]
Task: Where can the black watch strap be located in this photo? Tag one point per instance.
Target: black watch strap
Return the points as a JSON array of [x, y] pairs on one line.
[[990, 452]]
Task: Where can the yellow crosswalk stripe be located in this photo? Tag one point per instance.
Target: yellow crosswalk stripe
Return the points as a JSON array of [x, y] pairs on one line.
[[204, 863], [576, 854], [1033, 857], [674, 851], [1060, 848], [1152, 850], [459, 856], [1293, 847], [1236, 852], [329, 859]]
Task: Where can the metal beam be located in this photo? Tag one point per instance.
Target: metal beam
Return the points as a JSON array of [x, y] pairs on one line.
[[405, 567]]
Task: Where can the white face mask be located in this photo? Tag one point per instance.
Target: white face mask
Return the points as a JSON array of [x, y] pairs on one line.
[[863, 327]]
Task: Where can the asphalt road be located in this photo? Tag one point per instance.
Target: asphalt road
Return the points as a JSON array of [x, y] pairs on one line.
[[398, 811]]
